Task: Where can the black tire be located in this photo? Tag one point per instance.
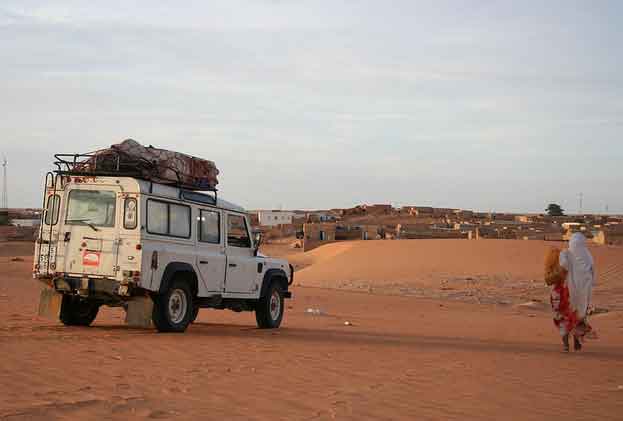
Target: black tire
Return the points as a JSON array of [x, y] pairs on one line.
[[266, 315], [77, 311], [195, 313], [173, 309]]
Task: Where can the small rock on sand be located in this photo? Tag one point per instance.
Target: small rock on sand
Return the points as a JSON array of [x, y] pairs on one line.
[[315, 311]]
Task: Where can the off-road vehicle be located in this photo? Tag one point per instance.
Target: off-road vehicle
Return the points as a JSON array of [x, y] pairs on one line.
[[160, 251]]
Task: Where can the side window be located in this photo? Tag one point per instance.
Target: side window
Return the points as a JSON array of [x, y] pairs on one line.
[[130, 219], [168, 219], [209, 227], [179, 221], [51, 212], [157, 217], [237, 233]]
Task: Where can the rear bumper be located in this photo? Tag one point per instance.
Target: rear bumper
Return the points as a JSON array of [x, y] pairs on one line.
[[92, 286]]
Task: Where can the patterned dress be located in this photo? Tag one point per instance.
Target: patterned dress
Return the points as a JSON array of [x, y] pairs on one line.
[[565, 318]]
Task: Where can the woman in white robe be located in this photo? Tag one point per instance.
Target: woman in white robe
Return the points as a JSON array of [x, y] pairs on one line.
[[577, 260]]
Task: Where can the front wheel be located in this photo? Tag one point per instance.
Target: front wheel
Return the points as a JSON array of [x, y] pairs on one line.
[[173, 309], [195, 313], [269, 310], [77, 311]]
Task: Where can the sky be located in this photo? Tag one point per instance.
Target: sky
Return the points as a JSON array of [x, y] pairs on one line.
[[485, 105]]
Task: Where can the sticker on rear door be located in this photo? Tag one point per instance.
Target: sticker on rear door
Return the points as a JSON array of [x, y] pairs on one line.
[[91, 258]]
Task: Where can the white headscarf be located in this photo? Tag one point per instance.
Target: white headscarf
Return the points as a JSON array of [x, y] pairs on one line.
[[579, 262]]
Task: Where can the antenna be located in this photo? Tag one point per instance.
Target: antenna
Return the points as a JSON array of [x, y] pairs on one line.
[[5, 199]]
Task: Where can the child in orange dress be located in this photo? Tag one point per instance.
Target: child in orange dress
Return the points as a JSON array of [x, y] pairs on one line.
[[565, 317]]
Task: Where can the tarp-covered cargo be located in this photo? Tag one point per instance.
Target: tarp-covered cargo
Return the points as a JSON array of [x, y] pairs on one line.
[[158, 165]]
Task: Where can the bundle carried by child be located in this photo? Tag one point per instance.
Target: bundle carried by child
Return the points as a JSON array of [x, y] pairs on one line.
[[154, 164], [554, 273]]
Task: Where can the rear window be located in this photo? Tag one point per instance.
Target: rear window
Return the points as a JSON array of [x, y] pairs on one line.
[[94, 207], [51, 211]]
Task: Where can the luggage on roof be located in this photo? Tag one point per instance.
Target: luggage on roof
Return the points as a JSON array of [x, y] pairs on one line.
[[158, 165]]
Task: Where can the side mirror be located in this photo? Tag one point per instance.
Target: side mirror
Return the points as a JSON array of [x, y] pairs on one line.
[[258, 239]]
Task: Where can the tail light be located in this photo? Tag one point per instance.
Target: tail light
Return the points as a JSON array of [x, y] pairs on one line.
[[135, 275]]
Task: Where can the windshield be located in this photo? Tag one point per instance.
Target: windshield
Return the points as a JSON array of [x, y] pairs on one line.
[[91, 207]]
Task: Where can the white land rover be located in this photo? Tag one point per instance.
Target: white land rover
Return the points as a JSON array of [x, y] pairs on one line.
[[159, 251]]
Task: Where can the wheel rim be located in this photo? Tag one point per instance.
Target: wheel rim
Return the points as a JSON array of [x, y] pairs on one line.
[[178, 305], [275, 305]]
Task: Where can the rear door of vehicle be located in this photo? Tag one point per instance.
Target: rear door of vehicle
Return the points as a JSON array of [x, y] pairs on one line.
[[241, 265], [47, 251], [211, 259], [91, 234]]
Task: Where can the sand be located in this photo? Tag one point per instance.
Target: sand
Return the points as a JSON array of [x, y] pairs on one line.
[[404, 357], [487, 271]]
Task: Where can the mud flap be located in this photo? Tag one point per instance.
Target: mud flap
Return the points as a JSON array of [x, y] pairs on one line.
[[50, 304], [139, 312]]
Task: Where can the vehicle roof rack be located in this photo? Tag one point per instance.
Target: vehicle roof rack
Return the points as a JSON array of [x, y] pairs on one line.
[[117, 165]]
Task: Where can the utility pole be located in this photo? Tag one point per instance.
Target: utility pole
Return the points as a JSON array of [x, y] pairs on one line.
[[581, 200], [5, 199], [4, 202]]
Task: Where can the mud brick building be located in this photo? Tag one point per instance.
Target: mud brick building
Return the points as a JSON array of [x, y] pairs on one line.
[[317, 234]]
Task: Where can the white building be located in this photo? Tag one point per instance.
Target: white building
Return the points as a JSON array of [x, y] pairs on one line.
[[271, 218]]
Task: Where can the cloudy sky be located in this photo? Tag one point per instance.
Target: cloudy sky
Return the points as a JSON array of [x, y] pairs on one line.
[[486, 105]]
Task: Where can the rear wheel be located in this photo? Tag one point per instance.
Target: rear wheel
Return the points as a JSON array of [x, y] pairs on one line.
[[173, 310], [77, 311], [269, 310]]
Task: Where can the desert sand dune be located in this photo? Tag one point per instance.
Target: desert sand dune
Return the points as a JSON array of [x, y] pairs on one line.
[[421, 261], [489, 270]]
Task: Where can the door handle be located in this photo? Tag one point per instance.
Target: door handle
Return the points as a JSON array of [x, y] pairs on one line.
[[232, 265], [203, 262]]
